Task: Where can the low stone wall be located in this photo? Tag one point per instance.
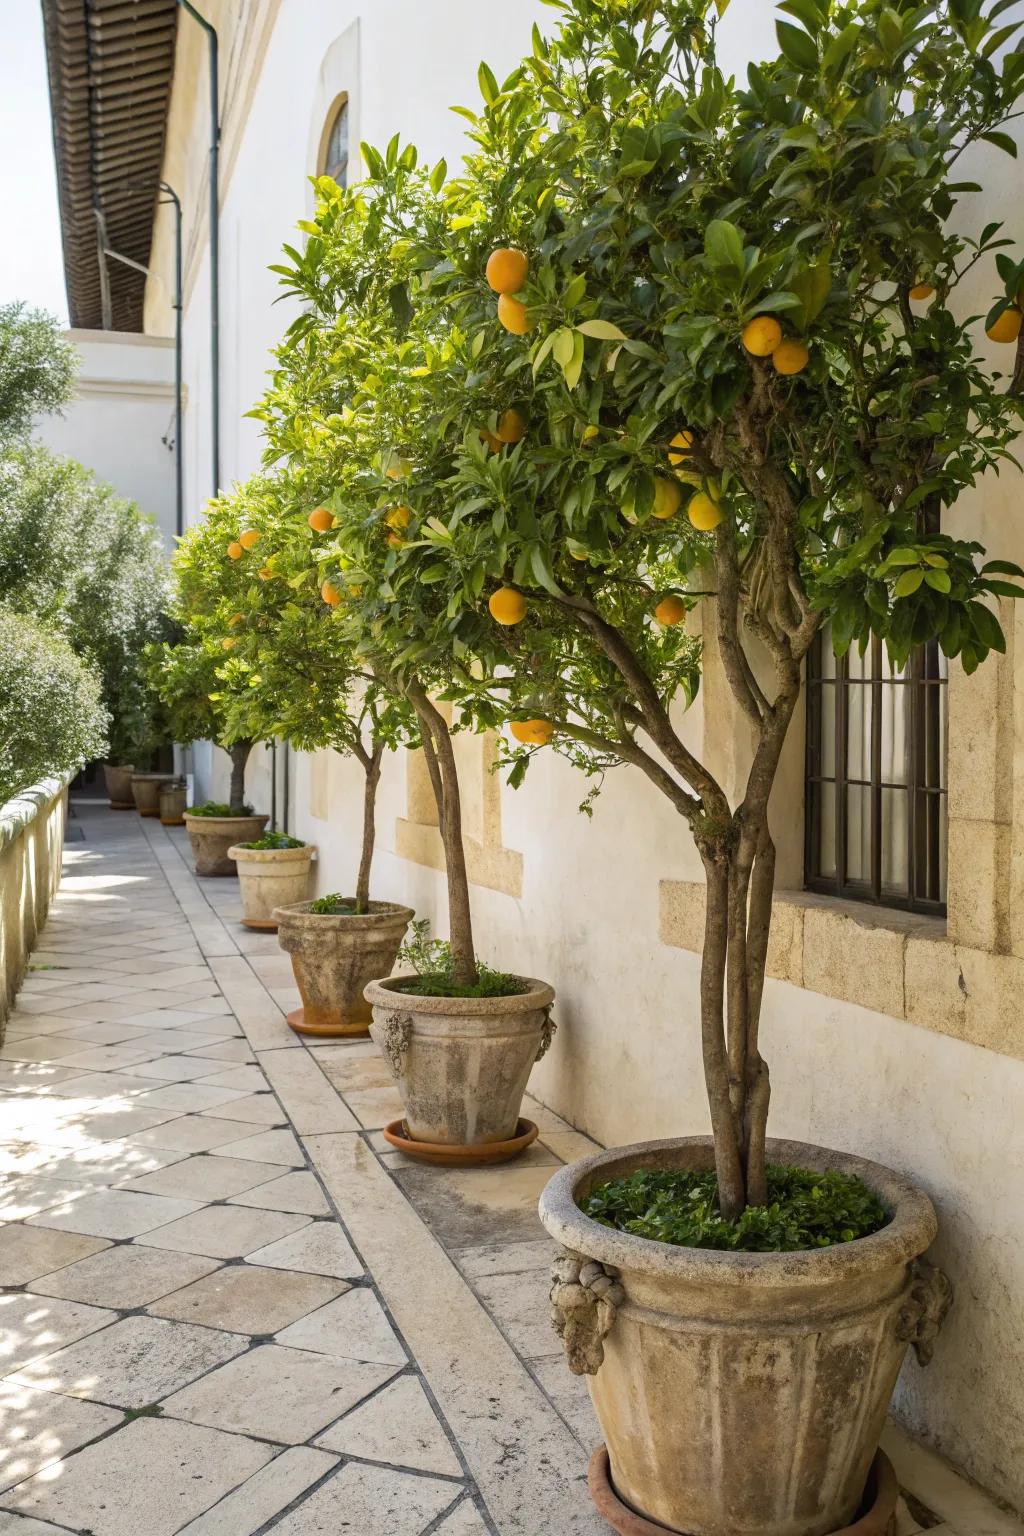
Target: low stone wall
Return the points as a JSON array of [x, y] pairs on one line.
[[31, 846]]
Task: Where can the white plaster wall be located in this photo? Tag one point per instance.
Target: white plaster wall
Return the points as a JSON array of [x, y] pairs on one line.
[[626, 1062], [119, 418]]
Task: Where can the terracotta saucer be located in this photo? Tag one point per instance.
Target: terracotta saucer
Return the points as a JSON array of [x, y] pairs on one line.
[[261, 925], [297, 1020], [877, 1517], [445, 1156], [122, 805], [180, 822]]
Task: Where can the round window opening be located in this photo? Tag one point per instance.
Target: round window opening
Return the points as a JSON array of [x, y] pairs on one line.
[[336, 151]]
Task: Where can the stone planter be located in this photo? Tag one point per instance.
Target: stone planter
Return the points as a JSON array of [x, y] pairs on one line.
[[173, 799], [212, 836], [461, 1063], [146, 789], [741, 1391], [334, 958], [119, 786], [269, 878]]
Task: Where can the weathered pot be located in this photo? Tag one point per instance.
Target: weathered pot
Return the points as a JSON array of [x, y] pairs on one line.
[[269, 878], [741, 1392], [146, 789], [461, 1063], [173, 800], [333, 958], [118, 779], [212, 836]]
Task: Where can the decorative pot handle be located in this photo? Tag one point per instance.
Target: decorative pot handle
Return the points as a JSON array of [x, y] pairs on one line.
[[923, 1313], [547, 1033], [585, 1296], [397, 1033]]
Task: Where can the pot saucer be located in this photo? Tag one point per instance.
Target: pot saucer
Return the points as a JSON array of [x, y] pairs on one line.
[[297, 1020], [447, 1156], [877, 1515]]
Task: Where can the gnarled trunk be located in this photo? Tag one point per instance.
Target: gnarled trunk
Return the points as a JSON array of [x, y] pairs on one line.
[[239, 755]]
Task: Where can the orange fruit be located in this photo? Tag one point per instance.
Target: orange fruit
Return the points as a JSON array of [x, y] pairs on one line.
[[511, 426], [506, 269], [513, 316], [680, 446], [921, 291], [235, 550], [532, 733], [399, 517], [321, 521], [236, 618], [671, 610], [330, 594], [667, 497], [507, 606], [493, 442], [790, 357], [704, 512], [227, 643], [1007, 327], [250, 537], [396, 542], [762, 335], [264, 573]]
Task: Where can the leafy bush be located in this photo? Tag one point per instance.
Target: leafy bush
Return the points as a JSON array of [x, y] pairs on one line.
[[219, 808], [805, 1209], [37, 368], [274, 840], [52, 718]]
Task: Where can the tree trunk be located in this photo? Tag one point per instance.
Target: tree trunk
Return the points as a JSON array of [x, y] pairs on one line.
[[239, 755], [437, 748], [713, 969], [371, 766]]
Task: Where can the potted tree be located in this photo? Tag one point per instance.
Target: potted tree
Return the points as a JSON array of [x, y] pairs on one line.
[[461, 1038], [727, 322]]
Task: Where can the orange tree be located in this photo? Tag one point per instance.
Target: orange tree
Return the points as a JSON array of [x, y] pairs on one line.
[[247, 575], [713, 339]]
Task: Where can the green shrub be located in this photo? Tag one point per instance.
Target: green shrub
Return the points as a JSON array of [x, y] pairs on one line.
[[218, 808], [434, 964], [274, 840], [52, 718]]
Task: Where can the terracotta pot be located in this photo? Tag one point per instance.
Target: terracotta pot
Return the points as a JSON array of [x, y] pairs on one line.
[[212, 836], [146, 789], [173, 799], [119, 786], [461, 1063], [741, 1391], [333, 958], [269, 878]]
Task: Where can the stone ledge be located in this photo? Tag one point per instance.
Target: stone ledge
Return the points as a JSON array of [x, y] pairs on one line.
[[17, 814], [891, 962]]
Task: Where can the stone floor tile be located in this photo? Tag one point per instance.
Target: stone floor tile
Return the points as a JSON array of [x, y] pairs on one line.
[[354, 1327], [32, 1325], [319, 1249], [569, 1146], [246, 1079], [479, 1205], [22, 1157], [297, 1191], [178, 1040], [257, 1109], [265, 1494], [26, 1252], [37, 1428], [268, 1147], [99, 1086], [357, 1072], [397, 1426], [114, 1213], [132, 1363], [188, 1097], [149, 1479], [305, 1092], [205, 1178], [27, 1196], [32, 1077], [170, 1069], [125, 1276], [504, 1258], [375, 1107], [99, 1163], [519, 1306], [463, 1521], [110, 1058], [24, 1525], [190, 1133], [226, 1232], [225, 1050], [104, 1033], [40, 1048], [279, 1394], [247, 1299], [374, 1501], [570, 1396]]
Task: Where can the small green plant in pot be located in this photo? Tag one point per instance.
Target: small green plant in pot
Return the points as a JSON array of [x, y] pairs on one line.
[[274, 870]]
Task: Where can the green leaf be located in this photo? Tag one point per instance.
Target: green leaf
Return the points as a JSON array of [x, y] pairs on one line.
[[437, 175], [1002, 141], [488, 84], [574, 367], [798, 48], [601, 330], [938, 580], [723, 245], [840, 48], [562, 346], [909, 582]]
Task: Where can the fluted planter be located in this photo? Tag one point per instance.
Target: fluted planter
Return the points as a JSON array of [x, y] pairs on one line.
[[333, 959], [270, 878], [741, 1392], [146, 789], [461, 1063], [173, 800], [118, 779], [212, 836]]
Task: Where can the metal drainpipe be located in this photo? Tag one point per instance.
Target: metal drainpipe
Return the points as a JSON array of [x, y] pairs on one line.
[[179, 463], [211, 37]]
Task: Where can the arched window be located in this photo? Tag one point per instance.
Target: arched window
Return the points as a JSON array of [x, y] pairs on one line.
[[335, 154]]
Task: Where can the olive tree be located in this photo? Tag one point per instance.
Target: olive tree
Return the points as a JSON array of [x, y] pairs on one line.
[[52, 718]]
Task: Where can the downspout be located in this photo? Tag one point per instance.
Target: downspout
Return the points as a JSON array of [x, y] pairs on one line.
[[179, 463], [211, 37]]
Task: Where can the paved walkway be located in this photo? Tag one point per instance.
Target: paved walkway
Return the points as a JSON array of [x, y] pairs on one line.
[[228, 1307]]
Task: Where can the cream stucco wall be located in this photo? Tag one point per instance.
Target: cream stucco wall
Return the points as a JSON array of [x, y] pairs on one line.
[[905, 1045]]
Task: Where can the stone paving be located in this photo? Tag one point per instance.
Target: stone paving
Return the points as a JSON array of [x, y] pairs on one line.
[[228, 1306]]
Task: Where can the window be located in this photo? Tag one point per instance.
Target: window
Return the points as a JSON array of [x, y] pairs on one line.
[[335, 155], [876, 777]]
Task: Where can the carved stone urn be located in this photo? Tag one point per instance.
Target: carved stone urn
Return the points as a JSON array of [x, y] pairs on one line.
[[461, 1063], [334, 955], [740, 1392]]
